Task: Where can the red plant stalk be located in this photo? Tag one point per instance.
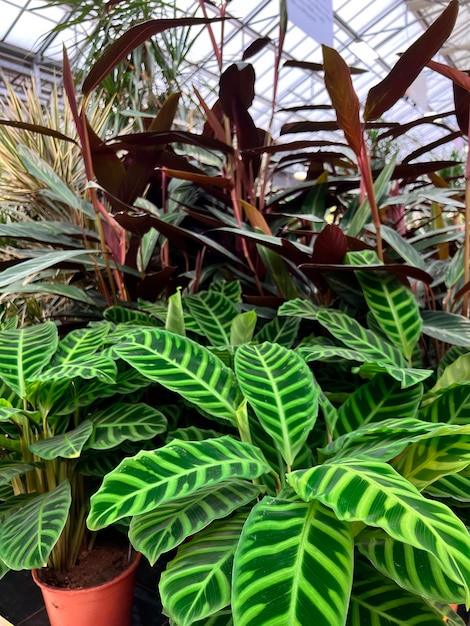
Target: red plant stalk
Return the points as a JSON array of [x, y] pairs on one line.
[[217, 50]]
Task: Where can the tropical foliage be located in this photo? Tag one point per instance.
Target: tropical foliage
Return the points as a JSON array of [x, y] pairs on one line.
[[319, 490], [68, 413]]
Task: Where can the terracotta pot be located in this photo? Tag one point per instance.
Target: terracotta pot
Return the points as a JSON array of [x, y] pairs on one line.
[[109, 604]]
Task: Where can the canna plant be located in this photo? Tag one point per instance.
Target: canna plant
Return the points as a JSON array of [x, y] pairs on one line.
[[328, 486], [69, 412]]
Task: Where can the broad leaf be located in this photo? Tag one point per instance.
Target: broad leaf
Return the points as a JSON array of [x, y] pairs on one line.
[[242, 328], [28, 535], [294, 565], [279, 330], [173, 472], [68, 445], [25, 352], [10, 469], [279, 386], [379, 399], [184, 366], [213, 313], [167, 526], [447, 327], [394, 308], [436, 455], [455, 487], [406, 565], [125, 422], [353, 335], [374, 493], [379, 601], [196, 584], [451, 407]]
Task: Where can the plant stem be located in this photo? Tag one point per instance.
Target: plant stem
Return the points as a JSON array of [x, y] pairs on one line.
[[466, 261]]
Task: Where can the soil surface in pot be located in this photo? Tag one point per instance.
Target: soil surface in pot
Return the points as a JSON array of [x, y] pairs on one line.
[[95, 567]]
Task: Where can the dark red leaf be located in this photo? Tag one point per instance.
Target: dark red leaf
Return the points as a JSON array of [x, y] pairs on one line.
[[256, 46], [237, 83], [462, 107], [130, 40], [317, 67], [35, 128], [345, 101], [330, 245], [432, 146], [403, 271], [384, 95]]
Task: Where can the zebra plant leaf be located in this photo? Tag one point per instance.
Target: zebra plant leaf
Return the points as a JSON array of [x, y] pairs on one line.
[[29, 534], [404, 564], [394, 308], [97, 366], [10, 469], [456, 487], [125, 422], [406, 376], [279, 386], [379, 399], [67, 445], [382, 440], [196, 584], [293, 565], [444, 452], [213, 313], [451, 407], [242, 328], [447, 327], [221, 618], [24, 354], [379, 601], [173, 472], [167, 526], [283, 331], [374, 493], [356, 337], [184, 366]]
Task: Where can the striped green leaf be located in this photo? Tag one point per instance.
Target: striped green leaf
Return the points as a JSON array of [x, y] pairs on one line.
[[406, 376], [167, 526], [445, 451], [122, 421], [283, 331], [379, 601], [298, 307], [451, 407], [379, 399], [192, 433], [382, 440], [67, 445], [394, 308], [294, 565], [369, 344], [196, 584], [24, 354], [455, 487], [96, 366], [184, 366], [406, 565], [221, 618], [80, 344], [214, 313], [319, 350], [4, 569], [124, 315], [458, 372], [175, 316], [447, 327], [29, 534], [10, 469], [175, 471], [279, 386], [231, 289], [375, 494]]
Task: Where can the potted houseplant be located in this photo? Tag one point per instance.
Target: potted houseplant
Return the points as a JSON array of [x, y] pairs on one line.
[[306, 502], [64, 421]]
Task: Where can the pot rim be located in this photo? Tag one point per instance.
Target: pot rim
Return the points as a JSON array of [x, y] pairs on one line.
[[129, 570]]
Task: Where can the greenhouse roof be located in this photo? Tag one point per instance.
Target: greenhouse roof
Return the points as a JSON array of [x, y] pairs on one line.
[[368, 34]]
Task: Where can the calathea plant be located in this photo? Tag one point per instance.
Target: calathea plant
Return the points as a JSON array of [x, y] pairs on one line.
[[305, 503], [64, 422]]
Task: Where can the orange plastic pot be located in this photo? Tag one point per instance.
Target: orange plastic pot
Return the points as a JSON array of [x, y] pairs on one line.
[[109, 604]]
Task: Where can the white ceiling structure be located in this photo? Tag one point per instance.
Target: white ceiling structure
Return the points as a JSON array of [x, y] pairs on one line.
[[384, 28]]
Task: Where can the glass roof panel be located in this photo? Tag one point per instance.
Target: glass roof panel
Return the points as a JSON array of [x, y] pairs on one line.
[[387, 26]]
